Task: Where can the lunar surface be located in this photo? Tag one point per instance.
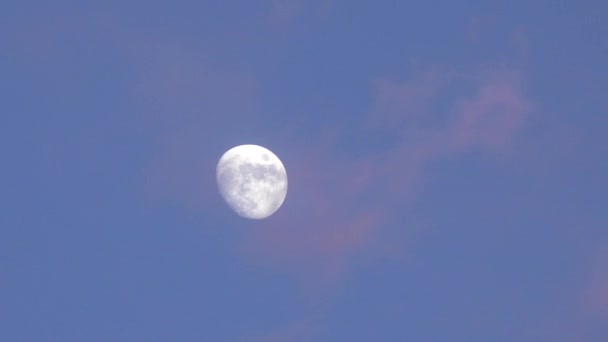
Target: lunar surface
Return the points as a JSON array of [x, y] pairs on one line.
[[252, 180]]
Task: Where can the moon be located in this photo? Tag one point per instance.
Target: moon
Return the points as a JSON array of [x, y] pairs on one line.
[[252, 180]]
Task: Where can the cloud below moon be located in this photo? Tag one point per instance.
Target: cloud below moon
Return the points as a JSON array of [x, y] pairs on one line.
[[338, 218]]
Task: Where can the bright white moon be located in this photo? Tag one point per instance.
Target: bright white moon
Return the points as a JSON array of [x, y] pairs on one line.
[[252, 180]]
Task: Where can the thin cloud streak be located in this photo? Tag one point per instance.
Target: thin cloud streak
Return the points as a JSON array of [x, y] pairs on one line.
[[336, 217], [338, 210]]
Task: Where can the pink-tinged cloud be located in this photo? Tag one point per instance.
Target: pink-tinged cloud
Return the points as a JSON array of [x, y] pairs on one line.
[[492, 117], [340, 211]]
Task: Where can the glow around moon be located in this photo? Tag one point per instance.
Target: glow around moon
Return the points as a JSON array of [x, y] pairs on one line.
[[252, 180]]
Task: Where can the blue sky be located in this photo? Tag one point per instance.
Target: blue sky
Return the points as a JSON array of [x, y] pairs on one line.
[[446, 163]]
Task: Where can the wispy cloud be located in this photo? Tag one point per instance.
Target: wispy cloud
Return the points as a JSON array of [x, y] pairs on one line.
[[339, 207], [341, 211]]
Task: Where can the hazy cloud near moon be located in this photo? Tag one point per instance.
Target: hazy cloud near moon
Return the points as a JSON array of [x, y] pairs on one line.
[[336, 209], [333, 213], [333, 224], [345, 211]]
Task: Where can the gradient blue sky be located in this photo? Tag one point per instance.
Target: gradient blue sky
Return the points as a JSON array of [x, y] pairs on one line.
[[446, 161]]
